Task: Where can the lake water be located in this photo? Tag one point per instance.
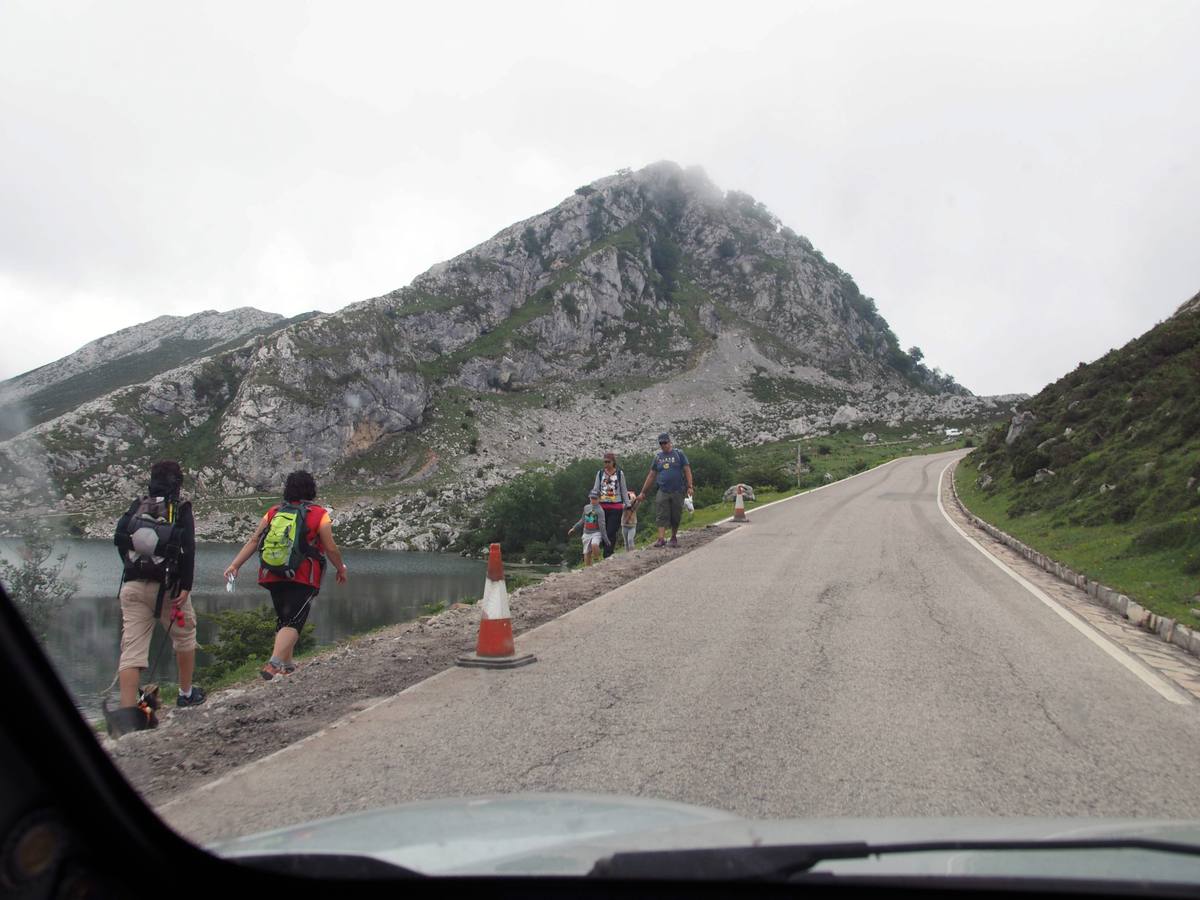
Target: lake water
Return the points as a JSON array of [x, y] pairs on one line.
[[385, 587]]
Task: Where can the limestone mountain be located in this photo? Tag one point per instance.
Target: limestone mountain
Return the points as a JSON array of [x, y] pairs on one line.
[[646, 300], [129, 356]]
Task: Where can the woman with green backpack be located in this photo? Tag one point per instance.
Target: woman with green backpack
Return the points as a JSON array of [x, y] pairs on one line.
[[292, 541]]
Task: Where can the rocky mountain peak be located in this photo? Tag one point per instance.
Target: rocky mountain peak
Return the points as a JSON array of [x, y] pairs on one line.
[[645, 300]]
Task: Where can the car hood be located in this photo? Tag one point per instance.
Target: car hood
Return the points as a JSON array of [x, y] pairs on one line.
[[565, 834]]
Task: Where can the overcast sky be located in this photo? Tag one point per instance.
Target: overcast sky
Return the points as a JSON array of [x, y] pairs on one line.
[[1016, 185]]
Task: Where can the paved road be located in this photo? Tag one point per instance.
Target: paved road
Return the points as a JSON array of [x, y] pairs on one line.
[[847, 653]]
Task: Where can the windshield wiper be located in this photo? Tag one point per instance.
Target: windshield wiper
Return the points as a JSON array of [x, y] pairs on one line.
[[338, 866], [783, 860]]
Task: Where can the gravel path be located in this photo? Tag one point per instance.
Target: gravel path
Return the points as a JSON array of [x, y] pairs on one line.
[[246, 722]]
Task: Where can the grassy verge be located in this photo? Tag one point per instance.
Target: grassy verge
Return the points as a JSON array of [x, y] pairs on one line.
[[1122, 556]]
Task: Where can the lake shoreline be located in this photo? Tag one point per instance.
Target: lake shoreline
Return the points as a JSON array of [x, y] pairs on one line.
[[385, 588]]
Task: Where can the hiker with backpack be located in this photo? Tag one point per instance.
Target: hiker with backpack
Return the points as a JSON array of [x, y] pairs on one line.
[[156, 539], [293, 541]]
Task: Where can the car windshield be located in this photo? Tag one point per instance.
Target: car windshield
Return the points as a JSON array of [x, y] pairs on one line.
[[504, 440]]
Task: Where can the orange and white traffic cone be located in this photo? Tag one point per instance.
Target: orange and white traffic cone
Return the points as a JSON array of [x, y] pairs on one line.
[[495, 648], [739, 505]]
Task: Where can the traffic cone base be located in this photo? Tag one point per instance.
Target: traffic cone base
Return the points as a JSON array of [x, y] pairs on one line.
[[475, 661]]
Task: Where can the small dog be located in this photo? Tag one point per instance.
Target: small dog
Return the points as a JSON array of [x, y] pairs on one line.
[[126, 719]]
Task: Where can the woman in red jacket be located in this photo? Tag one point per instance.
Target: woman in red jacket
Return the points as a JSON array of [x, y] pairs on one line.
[[293, 596]]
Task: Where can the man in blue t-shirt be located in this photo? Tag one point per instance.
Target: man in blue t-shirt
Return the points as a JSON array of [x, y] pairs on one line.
[[672, 471]]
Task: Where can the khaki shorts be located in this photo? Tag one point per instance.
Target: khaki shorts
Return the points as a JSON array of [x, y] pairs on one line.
[[668, 508], [137, 623]]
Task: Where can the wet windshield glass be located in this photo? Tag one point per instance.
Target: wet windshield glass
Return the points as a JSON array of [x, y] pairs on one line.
[[513, 438]]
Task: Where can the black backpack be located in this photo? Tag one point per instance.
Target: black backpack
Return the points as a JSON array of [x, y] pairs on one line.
[[149, 540]]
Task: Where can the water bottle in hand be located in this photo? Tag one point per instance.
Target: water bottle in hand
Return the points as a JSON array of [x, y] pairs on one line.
[[229, 584]]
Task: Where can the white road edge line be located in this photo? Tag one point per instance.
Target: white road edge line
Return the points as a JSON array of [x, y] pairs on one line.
[[1160, 684], [822, 487]]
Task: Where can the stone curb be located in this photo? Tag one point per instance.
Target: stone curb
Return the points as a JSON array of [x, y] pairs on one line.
[[1168, 630]]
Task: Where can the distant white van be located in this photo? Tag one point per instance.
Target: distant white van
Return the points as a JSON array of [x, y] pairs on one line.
[[953, 432]]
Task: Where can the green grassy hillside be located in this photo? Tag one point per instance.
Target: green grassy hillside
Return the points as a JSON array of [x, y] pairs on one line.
[[1105, 476]]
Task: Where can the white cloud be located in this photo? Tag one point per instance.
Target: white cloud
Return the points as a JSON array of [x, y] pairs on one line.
[[1010, 183]]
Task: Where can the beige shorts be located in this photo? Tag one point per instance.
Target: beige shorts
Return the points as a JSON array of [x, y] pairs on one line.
[[137, 623]]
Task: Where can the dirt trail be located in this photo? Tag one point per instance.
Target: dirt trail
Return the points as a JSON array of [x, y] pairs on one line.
[[248, 721]]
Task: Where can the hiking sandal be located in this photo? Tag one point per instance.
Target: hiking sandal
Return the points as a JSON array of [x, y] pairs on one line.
[[194, 699]]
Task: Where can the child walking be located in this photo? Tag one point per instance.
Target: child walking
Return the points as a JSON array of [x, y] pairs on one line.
[[594, 531]]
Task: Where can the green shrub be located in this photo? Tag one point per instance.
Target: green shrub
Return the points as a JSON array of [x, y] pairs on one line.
[[529, 240], [546, 552], [1192, 565], [708, 495], [246, 635], [1124, 509], [712, 465], [824, 449], [1063, 454], [762, 477], [1166, 536], [1026, 464]]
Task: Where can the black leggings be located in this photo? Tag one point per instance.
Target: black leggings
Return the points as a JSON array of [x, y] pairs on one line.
[[612, 525], [291, 603]]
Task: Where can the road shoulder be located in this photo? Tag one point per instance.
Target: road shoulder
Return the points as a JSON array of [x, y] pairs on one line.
[[1181, 669]]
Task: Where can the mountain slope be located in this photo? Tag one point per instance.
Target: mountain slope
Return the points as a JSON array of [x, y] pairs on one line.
[[1103, 466], [646, 300], [129, 356]]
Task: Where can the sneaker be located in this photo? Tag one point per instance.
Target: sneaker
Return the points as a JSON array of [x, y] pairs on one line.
[[660, 543], [196, 697], [270, 670], [289, 668], [674, 542]]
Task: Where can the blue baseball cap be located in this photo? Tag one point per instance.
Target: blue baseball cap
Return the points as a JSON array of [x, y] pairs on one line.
[[664, 438]]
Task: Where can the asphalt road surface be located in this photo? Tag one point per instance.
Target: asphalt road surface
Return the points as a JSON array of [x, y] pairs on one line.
[[847, 653]]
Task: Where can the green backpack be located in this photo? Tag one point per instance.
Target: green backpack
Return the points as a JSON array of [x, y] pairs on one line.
[[284, 546]]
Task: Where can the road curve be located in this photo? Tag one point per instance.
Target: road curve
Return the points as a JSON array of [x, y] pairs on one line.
[[847, 653]]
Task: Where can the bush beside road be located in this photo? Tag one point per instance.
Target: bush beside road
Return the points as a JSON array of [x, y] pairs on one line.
[[1155, 564]]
